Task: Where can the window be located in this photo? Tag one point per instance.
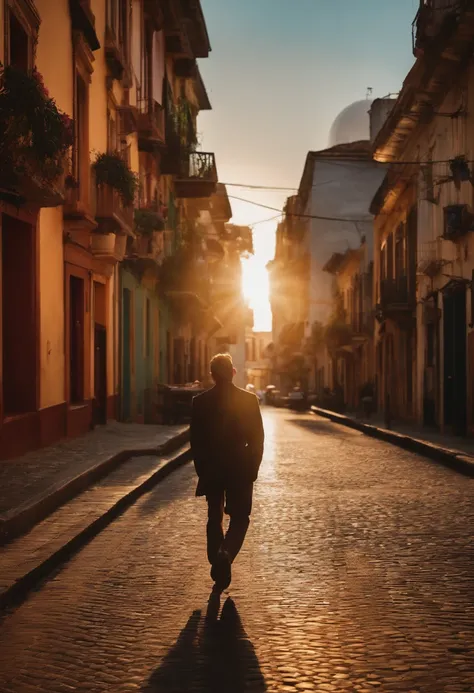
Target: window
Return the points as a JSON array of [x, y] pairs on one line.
[[81, 132], [400, 266], [117, 22], [390, 274], [383, 262], [19, 44], [21, 24], [80, 156], [112, 139]]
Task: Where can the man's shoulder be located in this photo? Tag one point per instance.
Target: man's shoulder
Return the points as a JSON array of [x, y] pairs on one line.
[[245, 395], [203, 397]]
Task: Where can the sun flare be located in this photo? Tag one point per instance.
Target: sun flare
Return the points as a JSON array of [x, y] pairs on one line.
[[255, 279]]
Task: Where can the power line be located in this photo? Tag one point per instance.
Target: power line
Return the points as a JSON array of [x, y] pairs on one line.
[[256, 187], [303, 216], [264, 221]]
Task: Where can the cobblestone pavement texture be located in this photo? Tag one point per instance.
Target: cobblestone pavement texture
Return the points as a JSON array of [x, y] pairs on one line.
[[48, 537], [25, 477], [357, 575]]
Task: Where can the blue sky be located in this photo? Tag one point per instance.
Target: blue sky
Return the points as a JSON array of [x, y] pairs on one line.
[[279, 73]]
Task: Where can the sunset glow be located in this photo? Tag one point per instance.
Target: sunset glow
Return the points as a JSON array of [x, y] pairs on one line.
[[255, 280]]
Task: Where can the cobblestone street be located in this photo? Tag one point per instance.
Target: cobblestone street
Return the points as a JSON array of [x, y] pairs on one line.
[[357, 575]]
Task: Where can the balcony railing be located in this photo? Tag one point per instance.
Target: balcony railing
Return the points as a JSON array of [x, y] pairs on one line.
[[151, 125], [430, 258], [197, 176], [433, 18], [395, 295], [111, 213]]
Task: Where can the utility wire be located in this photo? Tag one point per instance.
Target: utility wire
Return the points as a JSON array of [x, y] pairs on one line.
[[256, 187], [303, 216], [264, 221]]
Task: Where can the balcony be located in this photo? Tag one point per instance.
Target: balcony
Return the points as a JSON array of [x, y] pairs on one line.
[[395, 297], [148, 247], [111, 213], [109, 247], [151, 126], [114, 53], [430, 259], [434, 19], [83, 20], [197, 177]]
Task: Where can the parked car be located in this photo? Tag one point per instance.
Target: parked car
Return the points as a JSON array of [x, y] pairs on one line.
[[270, 391], [251, 388], [297, 399]]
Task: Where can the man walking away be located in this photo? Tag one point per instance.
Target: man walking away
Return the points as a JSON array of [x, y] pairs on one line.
[[227, 445]]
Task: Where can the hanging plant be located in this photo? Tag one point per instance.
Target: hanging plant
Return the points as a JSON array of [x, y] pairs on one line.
[[148, 221], [35, 135], [112, 170]]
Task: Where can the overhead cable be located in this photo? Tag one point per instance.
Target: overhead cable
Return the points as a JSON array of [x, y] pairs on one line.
[[303, 216]]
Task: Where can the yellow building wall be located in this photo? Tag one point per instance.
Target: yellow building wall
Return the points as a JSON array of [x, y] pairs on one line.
[[49, 54], [51, 295]]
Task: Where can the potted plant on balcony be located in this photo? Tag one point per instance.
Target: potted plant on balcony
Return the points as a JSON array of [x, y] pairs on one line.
[[35, 137], [148, 222], [112, 171], [116, 189]]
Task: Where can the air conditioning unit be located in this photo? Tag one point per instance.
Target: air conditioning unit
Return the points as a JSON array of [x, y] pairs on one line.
[[457, 221]]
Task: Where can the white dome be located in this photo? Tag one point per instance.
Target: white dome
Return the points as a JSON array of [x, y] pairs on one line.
[[352, 124]]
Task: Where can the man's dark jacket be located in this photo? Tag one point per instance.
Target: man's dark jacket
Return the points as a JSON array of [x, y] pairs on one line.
[[226, 437]]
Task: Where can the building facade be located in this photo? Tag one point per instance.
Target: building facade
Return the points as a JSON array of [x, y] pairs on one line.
[[98, 212], [289, 275], [424, 248]]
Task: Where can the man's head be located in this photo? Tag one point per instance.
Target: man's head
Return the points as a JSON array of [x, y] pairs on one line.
[[222, 368]]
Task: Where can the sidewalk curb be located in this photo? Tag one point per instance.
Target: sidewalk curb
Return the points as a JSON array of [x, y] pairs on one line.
[[457, 460], [24, 517], [17, 591]]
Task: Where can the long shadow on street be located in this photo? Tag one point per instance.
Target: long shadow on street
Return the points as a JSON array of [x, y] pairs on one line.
[[316, 426], [211, 655]]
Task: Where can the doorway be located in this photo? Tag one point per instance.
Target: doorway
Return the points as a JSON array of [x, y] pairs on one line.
[[100, 353], [76, 333], [20, 368], [100, 375], [455, 367], [126, 355]]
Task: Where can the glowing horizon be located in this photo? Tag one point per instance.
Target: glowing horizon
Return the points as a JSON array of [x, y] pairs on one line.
[[255, 279]]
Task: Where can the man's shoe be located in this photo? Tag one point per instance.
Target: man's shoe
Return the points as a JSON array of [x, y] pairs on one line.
[[221, 571]]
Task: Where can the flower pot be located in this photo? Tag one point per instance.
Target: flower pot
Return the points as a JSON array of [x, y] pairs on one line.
[[103, 245], [120, 246]]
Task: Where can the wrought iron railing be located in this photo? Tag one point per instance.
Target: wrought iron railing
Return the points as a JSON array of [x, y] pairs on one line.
[[199, 166], [431, 18], [394, 291], [429, 259]]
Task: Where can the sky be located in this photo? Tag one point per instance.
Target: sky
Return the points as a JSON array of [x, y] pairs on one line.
[[279, 73]]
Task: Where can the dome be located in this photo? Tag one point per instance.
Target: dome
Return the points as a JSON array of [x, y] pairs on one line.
[[352, 124]]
